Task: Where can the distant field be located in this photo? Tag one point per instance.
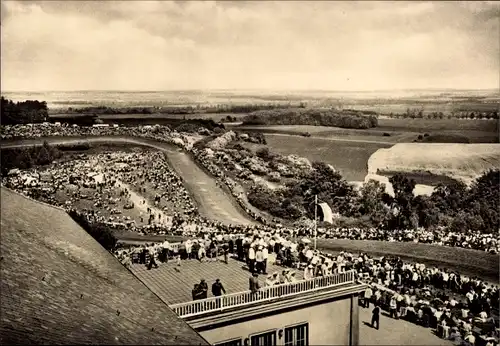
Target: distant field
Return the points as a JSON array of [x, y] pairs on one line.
[[350, 158], [419, 125], [399, 130]]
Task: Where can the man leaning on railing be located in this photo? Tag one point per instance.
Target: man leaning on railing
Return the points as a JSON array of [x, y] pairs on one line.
[[254, 286]]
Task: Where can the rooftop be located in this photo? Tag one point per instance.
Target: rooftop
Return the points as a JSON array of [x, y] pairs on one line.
[[60, 286], [173, 284]]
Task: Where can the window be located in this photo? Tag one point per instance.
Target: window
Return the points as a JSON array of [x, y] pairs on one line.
[[297, 335], [263, 339], [233, 342]]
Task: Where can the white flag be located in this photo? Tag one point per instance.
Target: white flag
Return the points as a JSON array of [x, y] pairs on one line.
[[327, 212]]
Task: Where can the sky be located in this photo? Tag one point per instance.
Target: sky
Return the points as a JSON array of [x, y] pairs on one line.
[[169, 45]]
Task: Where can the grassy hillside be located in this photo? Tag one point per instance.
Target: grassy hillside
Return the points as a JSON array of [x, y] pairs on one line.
[[350, 158], [470, 262]]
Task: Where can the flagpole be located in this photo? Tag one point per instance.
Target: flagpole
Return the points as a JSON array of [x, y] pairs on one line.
[[315, 219]]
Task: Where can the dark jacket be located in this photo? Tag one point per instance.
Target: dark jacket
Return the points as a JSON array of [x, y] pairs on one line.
[[376, 312], [254, 284], [217, 289], [203, 287]]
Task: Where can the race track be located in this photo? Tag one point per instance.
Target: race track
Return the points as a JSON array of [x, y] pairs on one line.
[[212, 201]]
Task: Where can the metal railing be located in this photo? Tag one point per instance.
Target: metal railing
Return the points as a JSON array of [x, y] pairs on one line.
[[199, 307]]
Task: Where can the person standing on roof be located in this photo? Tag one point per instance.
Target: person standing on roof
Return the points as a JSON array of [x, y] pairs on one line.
[[254, 283], [217, 288], [251, 258], [259, 259], [203, 289]]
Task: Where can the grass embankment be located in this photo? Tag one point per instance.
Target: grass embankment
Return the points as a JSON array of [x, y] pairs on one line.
[[465, 261]]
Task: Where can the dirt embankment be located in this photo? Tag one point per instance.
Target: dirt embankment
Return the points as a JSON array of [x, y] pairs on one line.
[[434, 162]]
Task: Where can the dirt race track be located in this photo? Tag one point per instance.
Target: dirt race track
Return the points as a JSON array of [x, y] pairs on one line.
[[215, 203]]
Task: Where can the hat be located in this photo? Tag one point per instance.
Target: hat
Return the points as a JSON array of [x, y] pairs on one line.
[[217, 280], [255, 275], [275, 274]]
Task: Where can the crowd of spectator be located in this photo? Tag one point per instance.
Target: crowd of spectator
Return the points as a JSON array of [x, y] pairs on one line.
[[109, 185], [432, 297]]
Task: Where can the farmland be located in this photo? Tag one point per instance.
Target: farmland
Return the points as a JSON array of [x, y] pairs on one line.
[[349, 157], [394, 130]]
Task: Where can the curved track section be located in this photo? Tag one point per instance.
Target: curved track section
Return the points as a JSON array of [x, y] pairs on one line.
[[212, 201]]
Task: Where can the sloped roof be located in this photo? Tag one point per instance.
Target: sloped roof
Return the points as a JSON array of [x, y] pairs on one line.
[[58, 285]]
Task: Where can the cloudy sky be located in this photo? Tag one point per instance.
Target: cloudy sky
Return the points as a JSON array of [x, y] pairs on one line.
[[163, 45]]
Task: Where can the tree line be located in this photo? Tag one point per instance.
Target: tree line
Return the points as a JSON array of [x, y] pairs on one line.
[[453, 205], [419, 113], [315, 117], [28, 157], [24, 112]]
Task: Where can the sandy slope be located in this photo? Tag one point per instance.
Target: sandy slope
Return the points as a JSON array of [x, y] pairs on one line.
[[463, 162]]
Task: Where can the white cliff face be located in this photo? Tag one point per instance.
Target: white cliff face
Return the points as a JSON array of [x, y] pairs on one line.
[[464, 162]]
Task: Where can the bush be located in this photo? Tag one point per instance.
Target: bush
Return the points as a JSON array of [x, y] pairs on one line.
[[98, 231], [25, 158], [263, 153]]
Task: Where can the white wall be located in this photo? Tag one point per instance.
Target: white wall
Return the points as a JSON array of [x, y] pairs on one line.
[[329, 324]]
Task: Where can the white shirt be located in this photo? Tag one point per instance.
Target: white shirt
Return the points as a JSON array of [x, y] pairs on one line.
[[470, 338], [251, 253], [265, 253]]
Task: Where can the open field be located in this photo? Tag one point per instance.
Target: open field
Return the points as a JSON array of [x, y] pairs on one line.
[[349, 157], [399, 130], [468, 262], [459, 161]]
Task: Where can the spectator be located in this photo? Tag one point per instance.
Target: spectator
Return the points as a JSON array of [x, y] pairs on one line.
[[254, 283], [375, 317], [203, 287], [218, 288]]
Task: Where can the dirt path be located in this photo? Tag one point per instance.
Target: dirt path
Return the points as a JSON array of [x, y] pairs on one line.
[[140, 203]]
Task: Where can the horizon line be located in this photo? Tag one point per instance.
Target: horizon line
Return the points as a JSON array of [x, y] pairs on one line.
[[251, 90]]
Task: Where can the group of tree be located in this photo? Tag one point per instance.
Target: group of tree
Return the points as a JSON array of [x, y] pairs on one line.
[[315, 117], [419, 113], [28, 157], [99, 231], [25, 112], [248, 108], [453, 205]]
